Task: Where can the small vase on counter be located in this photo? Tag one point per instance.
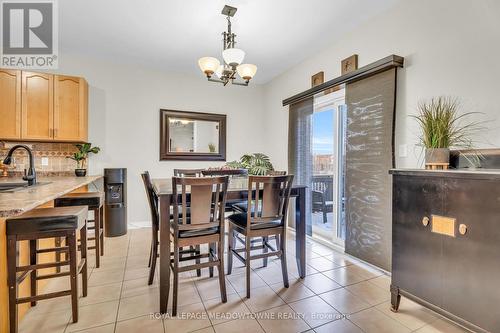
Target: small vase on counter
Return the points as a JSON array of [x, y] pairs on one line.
[[80, 172]]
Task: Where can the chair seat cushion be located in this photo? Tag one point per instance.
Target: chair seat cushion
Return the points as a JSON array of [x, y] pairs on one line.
[[240, 219], [195, 233], [93, 200], [48, 219]]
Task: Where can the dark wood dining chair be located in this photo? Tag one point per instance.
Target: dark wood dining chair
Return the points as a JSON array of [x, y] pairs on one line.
[[188, 172], [192, 173], [204, 225], [155, 224], [155, 228], [242, 207], [268, 198]]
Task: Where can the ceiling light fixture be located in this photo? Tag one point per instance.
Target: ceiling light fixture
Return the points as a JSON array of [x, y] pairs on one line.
[[232, 59]]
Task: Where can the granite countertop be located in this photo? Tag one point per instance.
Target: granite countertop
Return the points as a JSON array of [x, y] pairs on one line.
[[453, 173], [47, 189]]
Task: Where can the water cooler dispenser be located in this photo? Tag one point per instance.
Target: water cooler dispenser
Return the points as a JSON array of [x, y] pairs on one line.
[[115, 210]]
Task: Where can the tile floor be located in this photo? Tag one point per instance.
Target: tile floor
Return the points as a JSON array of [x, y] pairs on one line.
[[339, 294]]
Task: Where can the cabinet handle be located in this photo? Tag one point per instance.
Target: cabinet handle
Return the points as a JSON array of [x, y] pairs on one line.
[[51, 132], [55, 132], [425, 221]]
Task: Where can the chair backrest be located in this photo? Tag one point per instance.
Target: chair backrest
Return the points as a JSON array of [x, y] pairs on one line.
[[152, 199], [269, 198], [206, 199], [225, 172], [275, 173], [188, 172]]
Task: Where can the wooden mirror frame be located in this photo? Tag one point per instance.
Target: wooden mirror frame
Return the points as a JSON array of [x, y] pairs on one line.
[[165, 155]]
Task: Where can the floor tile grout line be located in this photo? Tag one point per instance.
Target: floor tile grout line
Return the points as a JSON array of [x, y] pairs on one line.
[[121, 289]]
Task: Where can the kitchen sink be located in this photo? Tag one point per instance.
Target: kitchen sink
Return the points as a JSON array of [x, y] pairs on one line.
[[12, 187]]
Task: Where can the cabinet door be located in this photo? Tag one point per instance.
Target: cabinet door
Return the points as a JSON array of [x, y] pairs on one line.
[[10, 104], [416, 251], [37, 106], [70, 109], [472, 261]]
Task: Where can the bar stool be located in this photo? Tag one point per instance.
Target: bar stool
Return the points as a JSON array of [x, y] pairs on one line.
[[94, 202], [39, 224]]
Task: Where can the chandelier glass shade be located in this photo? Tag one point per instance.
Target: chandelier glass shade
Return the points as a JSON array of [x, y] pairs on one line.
[[233, 56], [209, 65], [232, 59]]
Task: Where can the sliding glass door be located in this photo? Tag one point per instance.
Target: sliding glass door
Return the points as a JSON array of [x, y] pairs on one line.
[[328, 159]]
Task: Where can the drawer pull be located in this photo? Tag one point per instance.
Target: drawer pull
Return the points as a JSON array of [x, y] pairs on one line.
[[462, 229], [425, 221]]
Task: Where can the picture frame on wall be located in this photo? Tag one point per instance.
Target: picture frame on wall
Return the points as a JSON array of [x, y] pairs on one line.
[[349, 64]]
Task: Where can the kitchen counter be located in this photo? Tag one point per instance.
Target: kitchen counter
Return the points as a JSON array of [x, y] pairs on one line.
[[21, 200], [24, 199]]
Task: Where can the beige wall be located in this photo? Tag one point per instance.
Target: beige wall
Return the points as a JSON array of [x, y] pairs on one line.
[[451, 47], [124, 104]]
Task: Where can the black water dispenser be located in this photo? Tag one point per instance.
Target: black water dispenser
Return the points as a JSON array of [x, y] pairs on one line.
[[115, 210]]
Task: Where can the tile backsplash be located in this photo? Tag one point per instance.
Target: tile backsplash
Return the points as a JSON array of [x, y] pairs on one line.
[[56, 153]]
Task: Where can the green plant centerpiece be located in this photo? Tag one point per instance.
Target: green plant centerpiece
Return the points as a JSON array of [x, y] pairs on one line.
[[443, 127], [80, 157], [257, 164]]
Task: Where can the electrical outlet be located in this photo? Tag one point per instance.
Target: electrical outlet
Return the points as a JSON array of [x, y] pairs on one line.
[[403, 150], [45, 161]]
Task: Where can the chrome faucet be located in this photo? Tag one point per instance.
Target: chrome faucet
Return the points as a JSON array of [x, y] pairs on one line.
[[29, 176]]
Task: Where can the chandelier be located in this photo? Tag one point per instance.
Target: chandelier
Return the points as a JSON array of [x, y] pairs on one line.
[[233, 58]]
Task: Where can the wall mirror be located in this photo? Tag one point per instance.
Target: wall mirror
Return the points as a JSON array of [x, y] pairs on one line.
[[192, 136]]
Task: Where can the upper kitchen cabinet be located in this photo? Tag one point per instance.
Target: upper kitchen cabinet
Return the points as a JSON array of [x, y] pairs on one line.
[[10, 104], [37, 106], [70, 108], [43, 107]]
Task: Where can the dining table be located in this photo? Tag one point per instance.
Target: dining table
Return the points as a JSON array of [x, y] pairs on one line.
[[237, 191]]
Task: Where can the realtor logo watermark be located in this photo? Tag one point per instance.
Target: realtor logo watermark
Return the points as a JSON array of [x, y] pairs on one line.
[[29, 34]]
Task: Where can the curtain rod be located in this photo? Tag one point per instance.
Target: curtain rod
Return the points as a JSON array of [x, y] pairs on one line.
[[361, 73]]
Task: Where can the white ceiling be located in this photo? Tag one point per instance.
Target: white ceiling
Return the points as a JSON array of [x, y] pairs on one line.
[[171, 35]]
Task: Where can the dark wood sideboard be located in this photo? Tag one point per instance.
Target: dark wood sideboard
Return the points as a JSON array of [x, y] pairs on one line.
[[446, 244]]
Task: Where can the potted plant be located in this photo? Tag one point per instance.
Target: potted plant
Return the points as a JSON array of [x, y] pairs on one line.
[[81, 157], [444, 127], [256, 164]]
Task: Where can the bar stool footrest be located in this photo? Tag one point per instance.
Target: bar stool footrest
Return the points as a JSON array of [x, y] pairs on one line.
[[43, 296], [55, 275]]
